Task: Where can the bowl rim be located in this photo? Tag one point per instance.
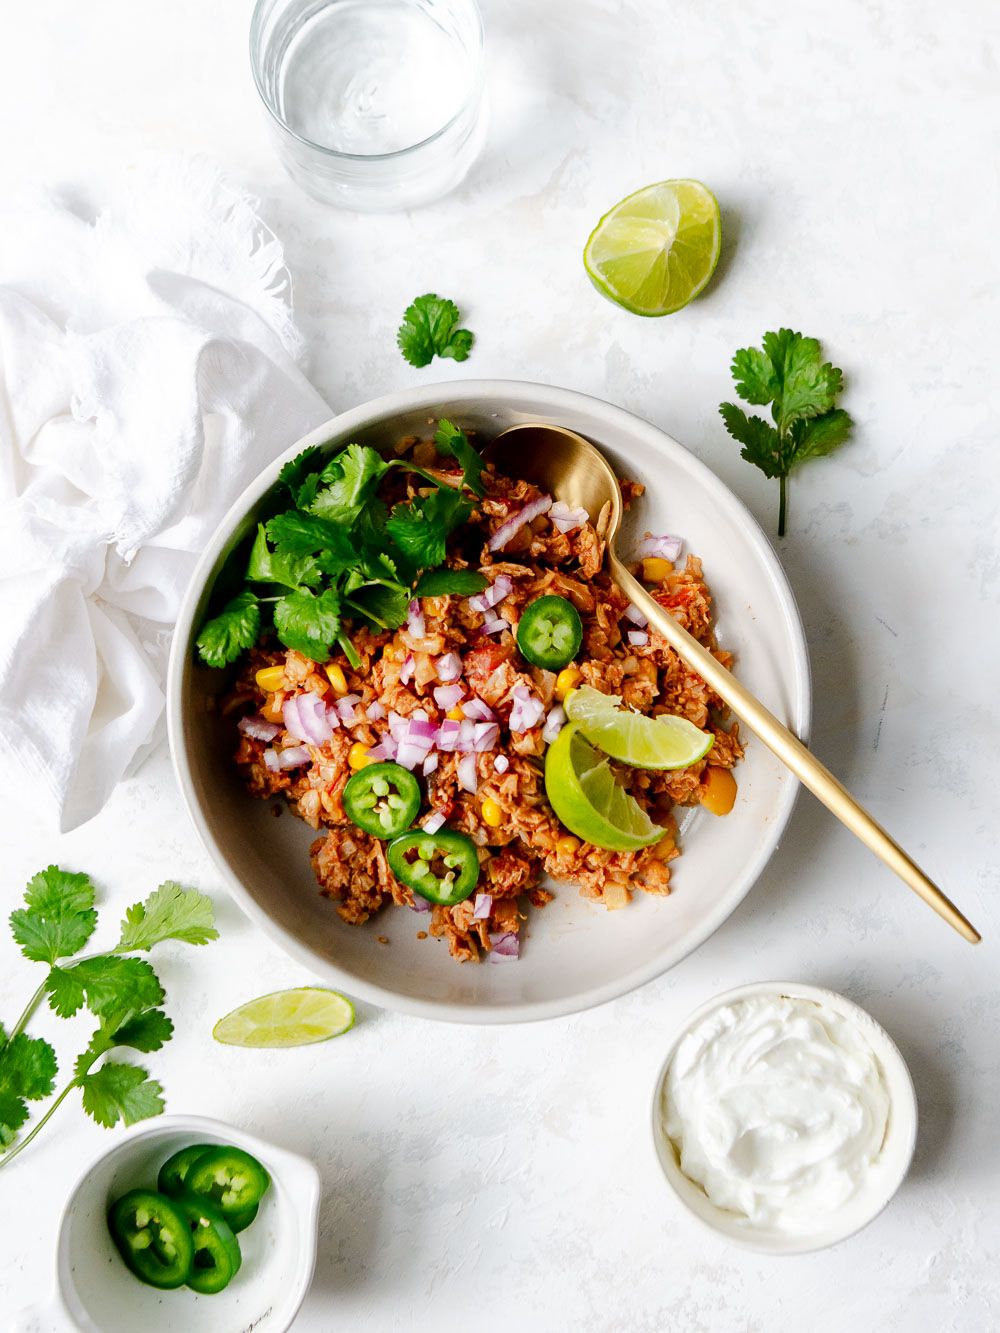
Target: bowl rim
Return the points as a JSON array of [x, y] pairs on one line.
[[503, 393], [903, 1125], [305, 1192]]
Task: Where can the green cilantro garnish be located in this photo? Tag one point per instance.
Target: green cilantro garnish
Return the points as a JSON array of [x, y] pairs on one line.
[[788, 373], [339, 554], [429, 329], [123, 993]]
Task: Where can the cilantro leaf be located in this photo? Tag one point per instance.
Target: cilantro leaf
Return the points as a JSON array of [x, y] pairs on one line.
[[58, 918], [103, 983], [440, 582], [147, 1031], [169, 913], [420, 528], [454, 443], [385, 607], [120, 1092], [429, 329], [290, 569], [232, 631], [788, 372], [308, 622], [350, 479], [297, 470], [27, 1073], [295, 533]]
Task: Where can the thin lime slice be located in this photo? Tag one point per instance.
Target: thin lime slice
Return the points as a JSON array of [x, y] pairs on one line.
[[633, 738], [287, 1018], [584, 794], [654, 252]]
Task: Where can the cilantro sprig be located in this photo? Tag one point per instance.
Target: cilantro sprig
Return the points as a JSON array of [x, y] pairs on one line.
[[430, 328], [339, 555], [788, 372], [122, 992]]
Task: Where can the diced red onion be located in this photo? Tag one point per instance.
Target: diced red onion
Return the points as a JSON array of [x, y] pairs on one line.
[[478, 711], [415, 620], [375, 712], [271, 760], [494, 624], [406, 670], [422, 714], [638, 638], [527, 711], [433, 822], [345, 708], [554, 723], [482, 906], [466, 736], [430, 764], [447, 696], [501, 587], [667, 548], [467, 773], [386, 749], [504, 945], [501, 763], [517, 521], [636, 616], [485, 736], [257, 729], [397, 726], [419, 904], [447, 736], [305, 717], [420, 731], [565, 518], [449, 667], [293, 756], [410, 755]]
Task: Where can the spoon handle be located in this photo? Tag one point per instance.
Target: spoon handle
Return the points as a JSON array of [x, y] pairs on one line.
[[790, 750]]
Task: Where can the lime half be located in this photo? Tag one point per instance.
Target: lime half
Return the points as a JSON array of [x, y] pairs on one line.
[[584, 794], [633, 738], [287, 1018], [656, 250]]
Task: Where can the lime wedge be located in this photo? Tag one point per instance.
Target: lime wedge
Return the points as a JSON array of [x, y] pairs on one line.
[[584, 794], [656, 250], [287, 1018], [632, 738]]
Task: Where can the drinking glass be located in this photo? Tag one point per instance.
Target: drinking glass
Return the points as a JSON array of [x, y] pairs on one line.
[[373, 104]]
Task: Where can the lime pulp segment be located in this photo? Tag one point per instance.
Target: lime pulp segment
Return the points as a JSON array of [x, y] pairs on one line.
[[633, 738], [287, 1018], [585, 796]]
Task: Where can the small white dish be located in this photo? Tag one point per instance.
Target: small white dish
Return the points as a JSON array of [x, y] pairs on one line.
[[897, 1150], [96, 1293]]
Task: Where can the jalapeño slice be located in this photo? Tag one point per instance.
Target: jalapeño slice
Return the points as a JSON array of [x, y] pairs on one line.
[[442, 867], [382, 799], [217, 1255], [153, 1236], [229, 1179], [550, 632], [173, 1172]]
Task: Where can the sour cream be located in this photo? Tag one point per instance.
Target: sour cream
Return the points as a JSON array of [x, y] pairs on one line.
[[778, 1107]]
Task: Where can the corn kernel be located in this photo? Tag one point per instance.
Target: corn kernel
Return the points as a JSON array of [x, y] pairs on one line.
[[719, 792], [664, 847], [568, 845], [455, 714], [358, 756], [272, 710], [655, 568], [567, 680], [335, 676], [270, 678], [491, 812]]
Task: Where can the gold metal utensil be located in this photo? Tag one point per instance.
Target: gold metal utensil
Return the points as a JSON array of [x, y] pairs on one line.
[[570, 468]]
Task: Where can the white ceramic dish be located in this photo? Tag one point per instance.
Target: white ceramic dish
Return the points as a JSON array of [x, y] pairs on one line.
[[576, 954], [96, 1293], [897, 1150]]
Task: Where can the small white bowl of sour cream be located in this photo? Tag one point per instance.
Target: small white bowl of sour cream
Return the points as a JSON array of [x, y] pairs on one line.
[[784, 1117]]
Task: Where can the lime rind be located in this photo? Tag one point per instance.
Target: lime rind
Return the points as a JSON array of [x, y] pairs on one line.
[[585, 796], [282, 1019], [655, 250], [663, 742]]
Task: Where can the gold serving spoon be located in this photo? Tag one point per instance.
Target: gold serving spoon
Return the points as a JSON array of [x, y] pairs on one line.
[[570, 468]]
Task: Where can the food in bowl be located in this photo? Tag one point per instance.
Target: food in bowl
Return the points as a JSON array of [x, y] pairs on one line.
[[443, 615]]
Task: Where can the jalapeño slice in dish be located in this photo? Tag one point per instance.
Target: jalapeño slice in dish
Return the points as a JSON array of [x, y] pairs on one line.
[[217, 1255], [173, 1172], [382, 799], [153, 1236], [442, 867], [228, 1178], [550, 632], [240, 1221]]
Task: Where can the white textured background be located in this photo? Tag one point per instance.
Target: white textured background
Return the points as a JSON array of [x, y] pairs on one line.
[[498, 1179]]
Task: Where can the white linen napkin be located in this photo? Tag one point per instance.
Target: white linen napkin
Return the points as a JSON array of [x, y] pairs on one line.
[[147, 374]]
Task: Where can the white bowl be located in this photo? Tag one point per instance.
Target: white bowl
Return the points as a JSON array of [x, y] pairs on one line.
[[897, 1149], [576, 953], [96, 1293]]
